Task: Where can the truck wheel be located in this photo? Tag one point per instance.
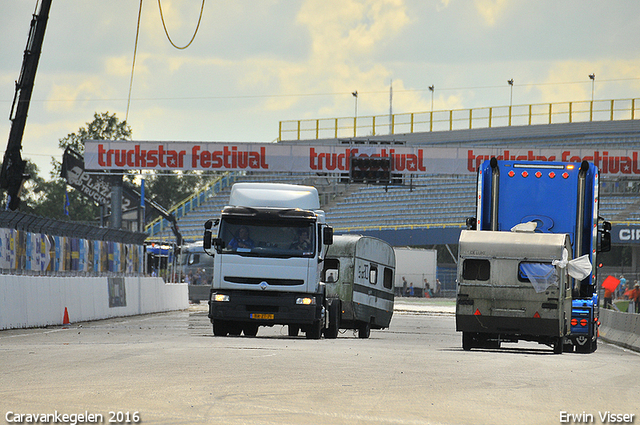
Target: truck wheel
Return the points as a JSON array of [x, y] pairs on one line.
[[315, 330], [235, 329], [220, 328], [364, 330], [293, 330], [250, 330], [334, 320], [467, 341], [558, 345]]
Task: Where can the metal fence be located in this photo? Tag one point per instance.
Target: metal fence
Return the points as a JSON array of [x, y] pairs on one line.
[[191, 203], [460, 119], [31, 244]]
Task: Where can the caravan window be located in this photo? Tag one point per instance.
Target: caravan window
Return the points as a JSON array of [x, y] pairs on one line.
[[541, 275], [373, 274], [473, 269], [388, 278]]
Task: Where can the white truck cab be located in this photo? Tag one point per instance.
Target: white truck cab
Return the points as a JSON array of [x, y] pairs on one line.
[[269, 252]]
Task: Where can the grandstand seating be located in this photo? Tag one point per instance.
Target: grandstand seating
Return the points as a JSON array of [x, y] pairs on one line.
[[424, 202]]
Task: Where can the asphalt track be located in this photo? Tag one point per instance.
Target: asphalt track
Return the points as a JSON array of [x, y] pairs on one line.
[[169, 369]]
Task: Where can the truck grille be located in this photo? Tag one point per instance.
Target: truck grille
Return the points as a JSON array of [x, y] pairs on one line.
[[259, 280]]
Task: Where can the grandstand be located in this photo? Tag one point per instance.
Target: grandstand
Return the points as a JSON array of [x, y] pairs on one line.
[[430, 210], [438, 201]]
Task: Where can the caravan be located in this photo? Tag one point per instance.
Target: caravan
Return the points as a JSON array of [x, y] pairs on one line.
[[513, 286], [359, 274]]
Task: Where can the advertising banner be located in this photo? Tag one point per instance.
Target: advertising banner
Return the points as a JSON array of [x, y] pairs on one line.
[[625, 234], [305, 158], [97, 188]]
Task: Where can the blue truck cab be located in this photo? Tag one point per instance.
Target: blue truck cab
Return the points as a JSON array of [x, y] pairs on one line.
[[560, 197]]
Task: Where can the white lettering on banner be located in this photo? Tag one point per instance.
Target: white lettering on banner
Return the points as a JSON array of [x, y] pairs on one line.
[[629, 234], [290, 157]]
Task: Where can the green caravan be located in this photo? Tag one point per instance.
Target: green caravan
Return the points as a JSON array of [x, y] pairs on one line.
[[359, 274]]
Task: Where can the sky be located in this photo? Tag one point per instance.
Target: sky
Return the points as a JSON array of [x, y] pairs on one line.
[[254, 63]]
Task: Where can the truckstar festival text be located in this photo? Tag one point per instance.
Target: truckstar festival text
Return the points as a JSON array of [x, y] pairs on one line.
[[291, 157]]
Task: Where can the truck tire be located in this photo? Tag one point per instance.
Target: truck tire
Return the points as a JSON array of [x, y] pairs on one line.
[[234, 328], [315, 330], [467, 341], [220, 328], [364, 330], [334, 320], [250, 329], [558, 345], [293, 330]]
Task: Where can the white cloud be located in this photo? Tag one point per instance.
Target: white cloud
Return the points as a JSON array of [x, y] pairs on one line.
[[255, 63], [491, 10]]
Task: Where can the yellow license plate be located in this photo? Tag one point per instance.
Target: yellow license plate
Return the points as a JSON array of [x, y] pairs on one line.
[[262, 316]]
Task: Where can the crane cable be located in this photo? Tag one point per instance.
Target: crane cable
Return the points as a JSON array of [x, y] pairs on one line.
[[135, 48], [167, 32], [133, 65]]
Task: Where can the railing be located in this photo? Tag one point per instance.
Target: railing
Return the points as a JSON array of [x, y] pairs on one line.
[[341, 229], [460, 119], [189, 204], [348, 229]]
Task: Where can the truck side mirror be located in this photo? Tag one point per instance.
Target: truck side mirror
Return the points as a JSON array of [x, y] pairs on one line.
[[327, 235], [471, 223], [604, 236], [605, 242], [206, 241], [218, 244]]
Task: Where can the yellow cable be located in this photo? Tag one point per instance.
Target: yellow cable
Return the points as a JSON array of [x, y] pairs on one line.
[[133, 65], [167, 32]]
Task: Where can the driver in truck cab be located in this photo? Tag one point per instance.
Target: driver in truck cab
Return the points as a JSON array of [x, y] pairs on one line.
[[242, 240], [302, 242]]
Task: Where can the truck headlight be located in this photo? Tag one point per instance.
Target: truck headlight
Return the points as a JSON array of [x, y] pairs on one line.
[[220, 297], [306, 301]]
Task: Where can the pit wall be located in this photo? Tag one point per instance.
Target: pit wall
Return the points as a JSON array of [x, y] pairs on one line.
[[620, 328], [36, 301]]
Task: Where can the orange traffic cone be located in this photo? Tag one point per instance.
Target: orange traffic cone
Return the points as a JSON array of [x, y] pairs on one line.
[[65, 319]]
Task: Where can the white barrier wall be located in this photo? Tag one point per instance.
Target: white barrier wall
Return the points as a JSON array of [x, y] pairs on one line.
[[32, 301], [620, 328]]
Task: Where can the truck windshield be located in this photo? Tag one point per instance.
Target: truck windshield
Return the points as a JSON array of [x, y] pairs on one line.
[[268, 238]]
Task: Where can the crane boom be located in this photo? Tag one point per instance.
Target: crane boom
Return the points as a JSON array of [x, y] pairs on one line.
[[13, 166]]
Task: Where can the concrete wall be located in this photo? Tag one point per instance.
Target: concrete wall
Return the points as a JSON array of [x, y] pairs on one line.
[[33, 301], [620, 328]]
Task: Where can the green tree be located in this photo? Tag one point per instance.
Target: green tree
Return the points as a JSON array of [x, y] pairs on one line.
[[48, 198], [104, 126], [52, 200], [170, 187]]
